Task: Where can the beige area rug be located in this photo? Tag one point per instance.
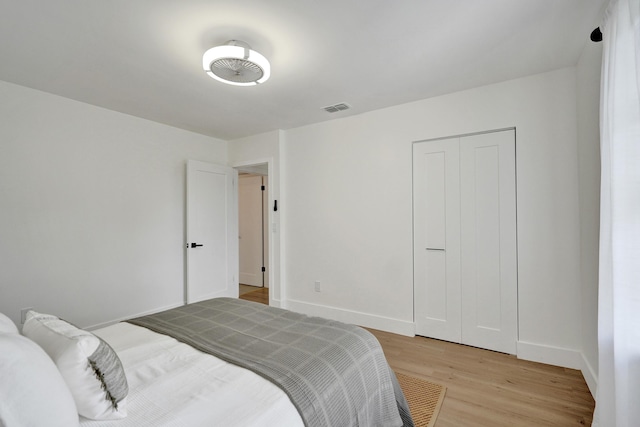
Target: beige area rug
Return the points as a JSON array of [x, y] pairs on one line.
[[424, 397]]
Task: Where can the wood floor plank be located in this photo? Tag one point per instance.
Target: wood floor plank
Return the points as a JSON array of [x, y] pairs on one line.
[[260, 295], [486, 388]]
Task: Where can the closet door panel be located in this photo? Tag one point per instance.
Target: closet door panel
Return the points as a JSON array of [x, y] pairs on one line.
[[480, 212], [436, 239], [488, 241], [435, 195]]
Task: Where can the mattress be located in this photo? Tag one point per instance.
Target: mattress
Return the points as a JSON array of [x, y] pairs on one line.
[[173, 384], [335, 374]]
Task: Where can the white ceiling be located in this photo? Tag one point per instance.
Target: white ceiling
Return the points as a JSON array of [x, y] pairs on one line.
[[144, 57]]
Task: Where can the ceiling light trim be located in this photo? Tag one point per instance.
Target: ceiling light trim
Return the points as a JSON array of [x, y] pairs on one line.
[[235, 63]]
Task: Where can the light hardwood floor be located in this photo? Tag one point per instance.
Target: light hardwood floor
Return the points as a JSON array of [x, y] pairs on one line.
[[486, 388], [256, 294]]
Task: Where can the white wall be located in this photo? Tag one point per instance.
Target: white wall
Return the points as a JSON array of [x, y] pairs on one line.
[[91, 208], [588, 72], [347, 201]]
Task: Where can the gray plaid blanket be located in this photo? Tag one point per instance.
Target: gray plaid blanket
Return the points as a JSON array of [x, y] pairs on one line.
[[335, 374]]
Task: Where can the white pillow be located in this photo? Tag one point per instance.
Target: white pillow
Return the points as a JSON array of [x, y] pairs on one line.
[[90, 367], [32, 391], [7, 325]]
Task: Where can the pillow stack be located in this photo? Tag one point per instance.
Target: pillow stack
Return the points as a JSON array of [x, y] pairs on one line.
[[89, 366], [32, 390], [55, 372]]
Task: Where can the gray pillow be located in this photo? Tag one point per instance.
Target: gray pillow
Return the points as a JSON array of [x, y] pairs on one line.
[[108, 369]]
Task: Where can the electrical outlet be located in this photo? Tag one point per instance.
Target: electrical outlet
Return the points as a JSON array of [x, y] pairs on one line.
[[317, 286], [23, 314]]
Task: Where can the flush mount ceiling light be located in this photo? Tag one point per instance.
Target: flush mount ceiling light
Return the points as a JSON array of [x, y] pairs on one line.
[[235, 63]]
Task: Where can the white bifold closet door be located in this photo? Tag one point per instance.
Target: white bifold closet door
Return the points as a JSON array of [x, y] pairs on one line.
[[465, 265]]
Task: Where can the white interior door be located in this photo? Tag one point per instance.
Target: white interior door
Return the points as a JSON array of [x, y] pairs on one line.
[[250, 223], [488, 241], [212, 231], [436, 205]]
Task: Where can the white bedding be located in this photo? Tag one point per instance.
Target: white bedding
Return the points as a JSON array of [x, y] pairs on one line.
[[172, 384]]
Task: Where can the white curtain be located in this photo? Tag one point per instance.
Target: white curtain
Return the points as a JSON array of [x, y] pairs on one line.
[[618, 394]]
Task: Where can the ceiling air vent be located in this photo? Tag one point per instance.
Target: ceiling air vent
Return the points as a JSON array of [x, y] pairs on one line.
[[337, 107]]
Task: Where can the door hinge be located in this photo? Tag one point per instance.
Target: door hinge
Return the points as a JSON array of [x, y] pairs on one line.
[[264, 269], [262, 188]]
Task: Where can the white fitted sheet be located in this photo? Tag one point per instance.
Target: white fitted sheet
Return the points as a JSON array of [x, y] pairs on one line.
[[173, 384]]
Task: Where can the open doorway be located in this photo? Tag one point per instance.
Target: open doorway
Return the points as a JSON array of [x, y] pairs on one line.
[[253, 236]]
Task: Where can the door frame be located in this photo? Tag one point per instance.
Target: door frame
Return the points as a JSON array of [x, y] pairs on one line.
[[273, 263]]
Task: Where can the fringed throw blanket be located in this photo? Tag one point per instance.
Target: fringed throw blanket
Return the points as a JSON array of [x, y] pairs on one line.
[[335, 374]]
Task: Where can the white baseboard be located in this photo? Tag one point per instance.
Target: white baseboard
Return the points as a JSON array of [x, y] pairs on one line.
[[249, 279], [400, 327], [557, 356], [275, 302], [589, 376]]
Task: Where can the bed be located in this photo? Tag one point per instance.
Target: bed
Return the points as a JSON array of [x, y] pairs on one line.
[[230, 362]]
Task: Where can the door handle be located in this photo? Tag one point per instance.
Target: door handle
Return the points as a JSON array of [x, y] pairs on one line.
[[195, 245], [435, 249]]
